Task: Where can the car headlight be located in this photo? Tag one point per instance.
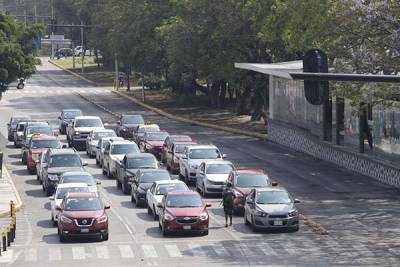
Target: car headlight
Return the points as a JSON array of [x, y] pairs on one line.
[[76, 133], [203, 216], [65, 219], [102, 219], [260, 213], [193, 166], [168, 217], [52, 177], [293, 213], [149, 146]]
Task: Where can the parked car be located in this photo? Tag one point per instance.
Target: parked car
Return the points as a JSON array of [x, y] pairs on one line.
[[79, 129], [38, 144], [19, 133], [243, 181], [193, 156], [65, 117], [12, 125], [271, 207], [157, 191], [78, 50], [56, 162], [142, 129], [114, 152], [61, 191], [80, 177], [34, 127], [152, 142], [127, 124], [182, 212], [40, 166], [143, 180], [167, 146], [64, 52], [82, 214], [211, 176], [92, 141], [174, 154], [126, 168], [101, 146]]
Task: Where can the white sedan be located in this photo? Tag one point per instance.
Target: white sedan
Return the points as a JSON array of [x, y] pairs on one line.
[[62, 190], [156, 192]]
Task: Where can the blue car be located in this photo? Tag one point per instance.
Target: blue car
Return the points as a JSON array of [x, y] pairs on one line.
[[66, 116]]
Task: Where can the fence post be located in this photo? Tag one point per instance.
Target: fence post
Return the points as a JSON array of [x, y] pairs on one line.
[[4, 242], [8, 237]]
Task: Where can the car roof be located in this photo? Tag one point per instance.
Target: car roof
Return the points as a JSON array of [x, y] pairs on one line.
[[184, 143], [219, 162], [148, 125], [250, 171], [43, 137], [157, 132], [271, 189], [202, 146], [81, 194], [140, 155], [76, 173], [67, 185], [131, 115], [169, 182], [62, 151], [71, 109], [122, 142], [33, 123], [86, 117], [153, 170], [114, 138], [104, 130], [21, 117], [189, 192]]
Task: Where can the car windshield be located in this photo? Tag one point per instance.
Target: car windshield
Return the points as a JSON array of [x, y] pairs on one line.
[[184, 201], [87, 179], [157, 136], [88, 123], [45, 144], [151, 177], [83, 203], [14, 121], [124, 149], [273, 197], [137, 163], [204, 153], [162, 189], [99, 135], [149, 129], [61, 192], [252, 180], [40, 130], [72, 160], [132, 120], [180, 138], [179, 148], [219, 168], [72, 114]]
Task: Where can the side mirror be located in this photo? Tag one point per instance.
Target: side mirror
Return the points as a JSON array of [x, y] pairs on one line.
[[98, 147], [64, 146], [274, 183], [55, 133], [224, 156], [58, 208], [160, 205], [208, 205], [84, 164], [52, 197], [119, 123], [202, 173], [98, 182], [44, 165], [296, 201], [106, 207], [249, 201], [160, 164]]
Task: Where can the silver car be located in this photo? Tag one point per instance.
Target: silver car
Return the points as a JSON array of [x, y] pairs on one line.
[[92, 140], [100, 148], [271, 208], [211, 176]]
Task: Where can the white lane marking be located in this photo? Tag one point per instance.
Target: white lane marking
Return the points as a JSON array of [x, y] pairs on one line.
[[6, 256], [78, 253], [126, 251], [149, 251], [102, 252], [30, 254], [245, 250], [291, 248], [267, 249], [173, 250], [54, 254], [220, 250], [196, 250]]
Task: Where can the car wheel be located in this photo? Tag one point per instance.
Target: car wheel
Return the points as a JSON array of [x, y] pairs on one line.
[[48, 192], [181, 177], [109, 172], [23, 159], [43, 188], [186, 178], [246, 222], [164, 231], [205, 233], [203, 191], [30, 171], [149, 211], [63, 238], [37, 177], [104, 171], [125, 188], [155, 216], [118, 183], [53, 221], [168, 168], [104, 237], [253, 225]]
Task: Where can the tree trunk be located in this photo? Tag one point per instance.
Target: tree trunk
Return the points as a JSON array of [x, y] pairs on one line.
[[230, 92], [128, 76], [243, 102], [214, 95], [222, 94]]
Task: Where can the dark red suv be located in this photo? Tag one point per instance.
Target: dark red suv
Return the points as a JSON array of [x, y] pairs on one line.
[[183, 211], [82, 214]]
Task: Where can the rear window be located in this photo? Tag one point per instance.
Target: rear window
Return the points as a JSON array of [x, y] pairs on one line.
[[132, 120], [204, 153], [71, 160], [14, 121], [164, 188], [179, 148], [181, 138], [45, 144], [124, 149], [151, 177], [87, 179], [156, 136], [184, 201], [81, 204], [99, 135], [88, 123], [72, 114], [149, 129], [61, 192], [40, 130], [138, 163], [252, 180], [219, 168]]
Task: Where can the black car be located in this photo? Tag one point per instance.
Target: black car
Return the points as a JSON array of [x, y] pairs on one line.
[[143, 180], [66, 116], [12, 125], [64, 52], [127, 124], [56, 162]]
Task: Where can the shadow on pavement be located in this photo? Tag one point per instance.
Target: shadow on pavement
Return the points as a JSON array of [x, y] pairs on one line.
[[113, 190], [45, 224], [127, 204], [145, 217], [32, 182], [47, 206], [20, 172], [35, 193]]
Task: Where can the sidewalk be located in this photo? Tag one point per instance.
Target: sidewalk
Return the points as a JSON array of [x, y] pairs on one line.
[[8, 193]]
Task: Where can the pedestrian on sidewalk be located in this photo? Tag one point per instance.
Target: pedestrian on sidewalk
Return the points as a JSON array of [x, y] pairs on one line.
[[228, 196]]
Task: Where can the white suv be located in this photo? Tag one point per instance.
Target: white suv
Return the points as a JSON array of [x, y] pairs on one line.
[[79, 129], [193, 156], [114, 152]]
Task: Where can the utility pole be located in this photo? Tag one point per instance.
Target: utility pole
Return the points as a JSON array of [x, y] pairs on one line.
[[52, 28], [116, 71], [143, 95], [83, 50]]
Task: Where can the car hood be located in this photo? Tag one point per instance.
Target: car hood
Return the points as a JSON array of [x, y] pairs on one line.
[[63, 169], [199, 161], [145, 186], [183, 212], [117, 157], [38, 150], [83, 214], [155, 143], [217, 177], [130, 125], [276, 208], [158, 198], [244, 190], [87, 129], [58, 202]]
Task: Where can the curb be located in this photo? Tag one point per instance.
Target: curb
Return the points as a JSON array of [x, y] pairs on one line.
[[73, 73], [190, 121], [99, 106], [19, 203]]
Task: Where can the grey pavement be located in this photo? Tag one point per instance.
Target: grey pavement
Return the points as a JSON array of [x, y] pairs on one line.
[[360, 213]]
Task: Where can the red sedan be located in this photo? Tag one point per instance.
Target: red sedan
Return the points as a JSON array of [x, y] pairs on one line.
[[82, 214], [174, 154], [183, 212], [37, 145], [152, 142], [243, 181]]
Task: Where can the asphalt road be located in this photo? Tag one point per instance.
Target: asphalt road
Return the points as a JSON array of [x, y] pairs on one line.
[[360, 214]]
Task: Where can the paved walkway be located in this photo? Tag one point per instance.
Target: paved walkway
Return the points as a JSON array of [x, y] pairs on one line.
[[7, 193]]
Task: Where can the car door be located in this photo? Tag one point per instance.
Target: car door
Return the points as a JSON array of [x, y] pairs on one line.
[[200, 175], [135, 183], [249, 205], [150, 196], [169, 155], [106, 154], [183, 162]]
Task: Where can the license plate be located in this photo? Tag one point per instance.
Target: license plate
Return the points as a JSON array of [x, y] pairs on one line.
[[85, 230], [187, 227], [278, 222]]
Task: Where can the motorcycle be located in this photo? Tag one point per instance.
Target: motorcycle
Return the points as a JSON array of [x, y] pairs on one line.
[[21, 83]]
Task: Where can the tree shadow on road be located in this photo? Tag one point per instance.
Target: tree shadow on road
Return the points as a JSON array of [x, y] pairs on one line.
[[35, 193]]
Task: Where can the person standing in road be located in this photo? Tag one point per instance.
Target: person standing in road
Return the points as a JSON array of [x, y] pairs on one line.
[[228, 197]]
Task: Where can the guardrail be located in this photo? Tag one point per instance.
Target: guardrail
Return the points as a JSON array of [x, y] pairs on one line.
[[8, 236]]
